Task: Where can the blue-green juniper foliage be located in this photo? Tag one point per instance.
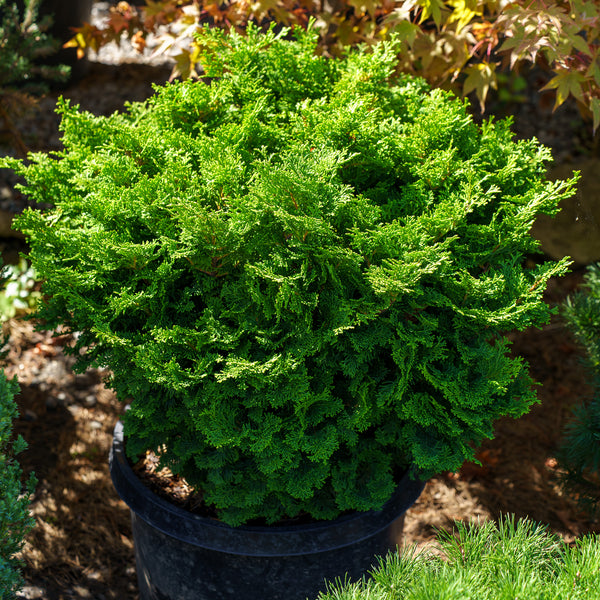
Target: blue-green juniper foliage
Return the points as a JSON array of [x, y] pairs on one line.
[[299, 270]]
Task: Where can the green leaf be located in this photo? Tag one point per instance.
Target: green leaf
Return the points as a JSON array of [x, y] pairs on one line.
[[480, 77], [593, 71], [405, 31], [580, 44], [464, 12], [566, 83], [433, 9], [595, 107]]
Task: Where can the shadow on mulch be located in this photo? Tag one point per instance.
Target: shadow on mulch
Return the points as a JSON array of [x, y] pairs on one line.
[[81, 544]]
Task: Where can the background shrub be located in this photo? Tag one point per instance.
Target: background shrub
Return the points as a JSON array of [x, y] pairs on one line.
[[15, 520], [24, 44], [466, 46], [580, 450]]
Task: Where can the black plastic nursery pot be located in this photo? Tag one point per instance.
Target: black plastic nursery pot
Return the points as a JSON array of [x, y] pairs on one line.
[[183, 556]]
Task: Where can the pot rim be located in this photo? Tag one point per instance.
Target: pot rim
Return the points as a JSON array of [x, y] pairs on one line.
[[255, 540]]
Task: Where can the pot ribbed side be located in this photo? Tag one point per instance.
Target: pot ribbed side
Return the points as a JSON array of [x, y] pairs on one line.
[[185, 556]]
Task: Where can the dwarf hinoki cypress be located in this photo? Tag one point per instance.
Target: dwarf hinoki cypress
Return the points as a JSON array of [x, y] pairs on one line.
[[299, 270]]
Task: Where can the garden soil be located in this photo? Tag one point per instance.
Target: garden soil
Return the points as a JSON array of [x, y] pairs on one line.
[[81, 545]]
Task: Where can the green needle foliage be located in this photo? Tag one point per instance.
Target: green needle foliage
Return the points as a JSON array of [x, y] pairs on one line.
[[300, 272], [580, 448], [506, 561], [24, 44], [15, 520]]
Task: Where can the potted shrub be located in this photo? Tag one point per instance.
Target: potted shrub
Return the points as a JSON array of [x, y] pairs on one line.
[[300, 272]]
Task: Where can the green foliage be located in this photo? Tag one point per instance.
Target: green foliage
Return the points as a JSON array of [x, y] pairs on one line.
[[15, 520], [23, 42], [580, 449], [300, 272], [485, 561], [23, 46]]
